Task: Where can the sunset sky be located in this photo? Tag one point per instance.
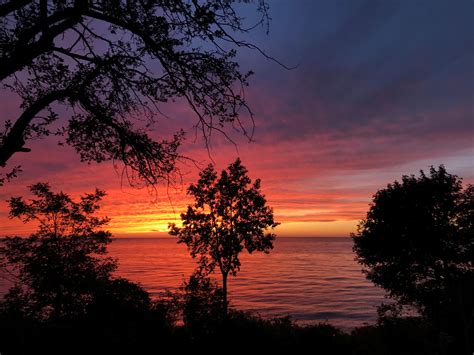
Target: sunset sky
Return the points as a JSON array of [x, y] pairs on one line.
[[379, 89]]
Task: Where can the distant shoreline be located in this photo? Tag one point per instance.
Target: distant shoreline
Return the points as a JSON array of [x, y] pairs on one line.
[[278, 237], [170, 237]]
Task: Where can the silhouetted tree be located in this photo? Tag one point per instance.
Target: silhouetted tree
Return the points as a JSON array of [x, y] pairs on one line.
[[62, 266], [417, 242], [229, 215], [202, 302], [114, 62]]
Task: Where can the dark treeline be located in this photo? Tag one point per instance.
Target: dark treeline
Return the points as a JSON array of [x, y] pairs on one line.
[[136, 331]]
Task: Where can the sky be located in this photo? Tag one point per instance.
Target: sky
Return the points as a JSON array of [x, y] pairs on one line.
[[378, 89]]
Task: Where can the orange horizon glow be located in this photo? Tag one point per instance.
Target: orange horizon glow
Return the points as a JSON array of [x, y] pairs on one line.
[[138, 215], [307, 201]]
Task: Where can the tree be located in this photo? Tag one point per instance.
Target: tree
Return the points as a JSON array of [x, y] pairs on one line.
[[417, 242], [229, 215], [61, 267], [114, 62], [201, 301]]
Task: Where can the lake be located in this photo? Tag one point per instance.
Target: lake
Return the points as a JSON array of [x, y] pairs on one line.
[[310, 279]]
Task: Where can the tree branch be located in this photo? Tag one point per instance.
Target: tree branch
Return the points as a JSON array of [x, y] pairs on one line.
[[23, 55], [13, 142], [12, 6]]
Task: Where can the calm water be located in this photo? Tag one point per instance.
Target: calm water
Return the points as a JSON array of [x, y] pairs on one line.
[[311, 279]]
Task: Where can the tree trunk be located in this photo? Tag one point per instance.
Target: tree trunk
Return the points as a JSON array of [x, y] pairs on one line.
[[224, 289]]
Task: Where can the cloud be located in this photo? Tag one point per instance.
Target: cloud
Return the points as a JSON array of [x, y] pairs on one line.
[[381, 89]]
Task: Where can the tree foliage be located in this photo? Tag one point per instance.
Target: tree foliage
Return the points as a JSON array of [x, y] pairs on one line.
[[229, 215], [417, 242], [114, 63], [61, 267], [202, 304]]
